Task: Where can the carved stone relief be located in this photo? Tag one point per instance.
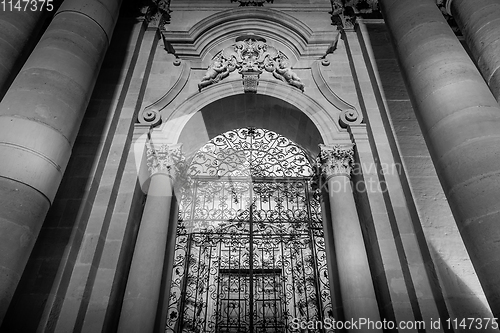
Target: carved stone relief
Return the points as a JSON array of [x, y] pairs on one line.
[[336, 160], [158, 13], [165, 158], [342, 15], [250, 54], [250, 81]]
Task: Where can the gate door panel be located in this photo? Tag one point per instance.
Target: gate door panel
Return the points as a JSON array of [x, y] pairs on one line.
[[249, 258]]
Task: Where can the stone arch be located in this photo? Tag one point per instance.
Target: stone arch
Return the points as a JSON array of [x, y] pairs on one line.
[[250, 110], [325, 121]]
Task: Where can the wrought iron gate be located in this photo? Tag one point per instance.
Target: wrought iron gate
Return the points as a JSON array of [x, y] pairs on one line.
[[250, 255], [249, 258]]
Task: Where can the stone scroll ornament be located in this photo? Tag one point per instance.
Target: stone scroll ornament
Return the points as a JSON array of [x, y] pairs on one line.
[[250, 55]]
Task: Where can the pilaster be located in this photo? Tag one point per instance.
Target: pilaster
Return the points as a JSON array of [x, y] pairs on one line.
[[101, 243], [372, 180]]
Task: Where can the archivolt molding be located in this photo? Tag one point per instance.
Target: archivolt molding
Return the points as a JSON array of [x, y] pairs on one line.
[[326, 122], [348, 115], [268, 23]]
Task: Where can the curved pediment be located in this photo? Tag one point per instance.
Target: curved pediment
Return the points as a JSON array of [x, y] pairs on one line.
[[206, 37]]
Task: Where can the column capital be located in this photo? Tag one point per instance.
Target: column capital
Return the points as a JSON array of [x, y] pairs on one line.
[[336, 160], [164, 158]]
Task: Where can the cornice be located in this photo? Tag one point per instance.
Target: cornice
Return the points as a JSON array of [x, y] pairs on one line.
[[443, 5], [199, 40], [204, 5], [248, 3]]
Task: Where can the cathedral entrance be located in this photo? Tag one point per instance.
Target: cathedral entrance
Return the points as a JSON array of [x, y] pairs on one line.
[[250, 252]]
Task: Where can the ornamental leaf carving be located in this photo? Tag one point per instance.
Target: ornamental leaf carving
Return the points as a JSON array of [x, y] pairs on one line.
[[336, 160], [158, 11], [165, 158], [250, 54]]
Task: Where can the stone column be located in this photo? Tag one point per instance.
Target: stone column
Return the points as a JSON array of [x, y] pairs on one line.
[[142, 293], [460, 120], [39, 120], [479, 21], [19, 31], [356, 285]]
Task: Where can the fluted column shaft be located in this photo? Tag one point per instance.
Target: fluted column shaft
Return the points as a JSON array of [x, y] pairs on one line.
[[460, 120], [356, 285], [39, 120], [142, 294], [479, 21]]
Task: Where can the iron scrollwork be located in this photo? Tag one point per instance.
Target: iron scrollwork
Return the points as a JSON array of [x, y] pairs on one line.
[[251, 152], [250, 252]]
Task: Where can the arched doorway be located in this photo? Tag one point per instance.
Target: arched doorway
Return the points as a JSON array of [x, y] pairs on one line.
[[250, 251]]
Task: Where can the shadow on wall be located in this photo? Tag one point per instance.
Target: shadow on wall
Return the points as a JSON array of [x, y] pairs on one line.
[[462, 301], [246, 110]]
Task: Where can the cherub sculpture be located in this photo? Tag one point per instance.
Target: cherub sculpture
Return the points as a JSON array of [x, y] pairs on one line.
[[285, 73], [215, 72], [250, 55]]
